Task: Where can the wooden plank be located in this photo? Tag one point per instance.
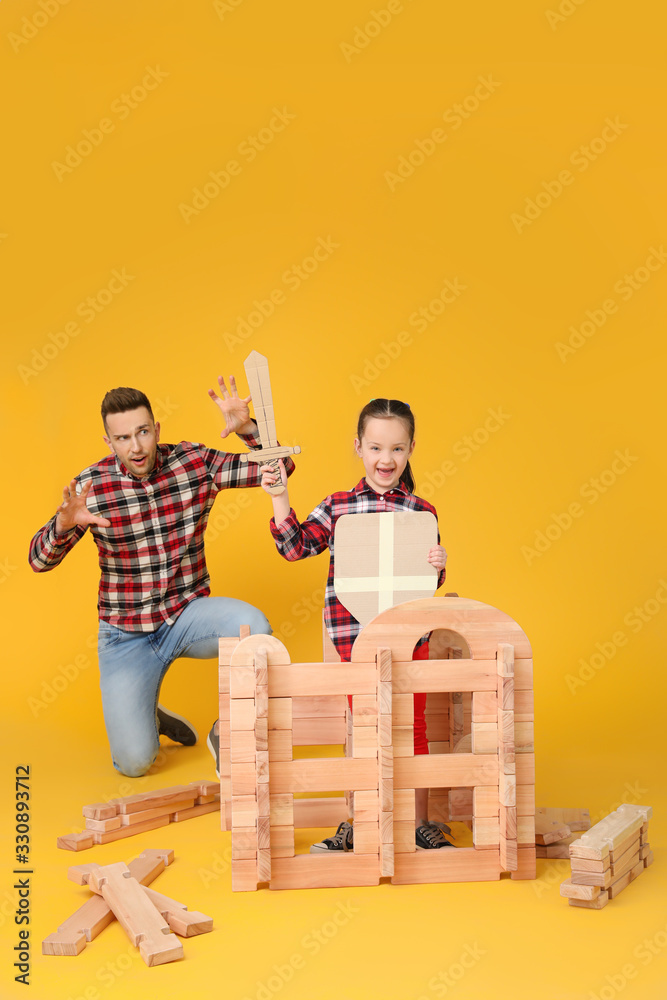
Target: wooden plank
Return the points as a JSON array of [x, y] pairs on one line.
[[76, 841], [131, 831], [320, 812], [194, 811], [414, 676], [611, 831], [445, 770], [572, 890], [485, 801], [311, 871], [484, 706], [101, 810], [624, 881], [319, 732], [591, 904], [184, 922], [132, 819], [143, 925], [324, 774], [462, 864], [403, 710], [281, 713], [154, 800], [481, 625], [280, 744], [319, 706], [526, 867]]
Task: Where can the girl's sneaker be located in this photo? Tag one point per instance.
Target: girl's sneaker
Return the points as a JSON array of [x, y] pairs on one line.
[[430, 837], [341, 841]]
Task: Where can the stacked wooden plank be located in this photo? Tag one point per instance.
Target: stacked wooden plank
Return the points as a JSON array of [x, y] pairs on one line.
[[120, 818], [608, 857], [556, 829]]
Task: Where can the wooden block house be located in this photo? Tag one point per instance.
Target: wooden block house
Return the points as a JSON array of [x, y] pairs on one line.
[[481, 765]]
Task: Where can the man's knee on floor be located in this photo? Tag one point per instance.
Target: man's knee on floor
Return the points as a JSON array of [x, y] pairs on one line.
[[134, 766]]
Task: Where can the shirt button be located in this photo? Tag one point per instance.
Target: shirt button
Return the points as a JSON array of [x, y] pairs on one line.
[[155, 592]]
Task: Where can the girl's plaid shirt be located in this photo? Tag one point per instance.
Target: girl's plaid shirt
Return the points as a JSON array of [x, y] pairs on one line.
[[296, 540]]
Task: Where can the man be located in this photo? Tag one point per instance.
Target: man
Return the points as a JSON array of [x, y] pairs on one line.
[[146, 506]]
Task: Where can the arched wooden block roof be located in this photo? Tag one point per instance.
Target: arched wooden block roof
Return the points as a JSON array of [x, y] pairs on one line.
[[481, 625]]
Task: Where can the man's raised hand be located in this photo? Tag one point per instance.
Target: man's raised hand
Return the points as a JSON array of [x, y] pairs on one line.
[[73, 510], [234, 409]]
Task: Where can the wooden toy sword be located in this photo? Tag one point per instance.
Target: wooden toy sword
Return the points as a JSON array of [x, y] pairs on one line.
[[257, 372]]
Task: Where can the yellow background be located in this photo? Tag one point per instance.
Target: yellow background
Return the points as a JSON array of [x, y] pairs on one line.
[[343, 336]]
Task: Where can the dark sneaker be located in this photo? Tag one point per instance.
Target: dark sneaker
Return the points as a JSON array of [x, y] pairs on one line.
[[429, 837], [175, 727], [341, 841], [213, 743]]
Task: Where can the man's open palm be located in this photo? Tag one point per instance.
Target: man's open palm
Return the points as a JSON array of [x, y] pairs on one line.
[[73, 510]]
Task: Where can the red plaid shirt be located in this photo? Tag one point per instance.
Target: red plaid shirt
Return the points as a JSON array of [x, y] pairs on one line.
[[152, 555], [298, 541]]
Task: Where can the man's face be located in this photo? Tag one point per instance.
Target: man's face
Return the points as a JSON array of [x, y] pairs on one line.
[[133, 437]]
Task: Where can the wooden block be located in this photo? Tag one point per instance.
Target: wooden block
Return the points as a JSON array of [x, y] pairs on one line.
[[624, 881], [484, 706], [243, 746], [403, 741], [366, 807], [549, 831], [385, 735], [282, 809], [484, 737], [630, 842], [507, 789], [184, 922], [525, 831], [262, 767], [385, 698], [461, 864], [366, 838], [509, 858], [262, 733], [404, 836], [244, 843], [280, 744], [318, 731], [143, 925], [244, 810], [632, 859], [485, 832], [573, 890], [280, 713], [648, 860], [175, 796], [243, 779], [205, 788], [242, 713], [264, 865], [131, 831], [385, 779], [404, 805], [323, 706], [403, 709], [507, 734], [364, 710], [75, 842], [525, 800], [524, 739], [560, 850], [194, 811], [386, 828], [387, 852], [591, 904], [435, 747], [576, 819], [524, 710], [312, 871], [526, 867], [426, 676], [101, 810], [244, 875], [602, 879], [485, 801], [364, 741]]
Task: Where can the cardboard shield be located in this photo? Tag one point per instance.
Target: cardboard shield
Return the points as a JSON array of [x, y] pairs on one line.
[[380, 560]]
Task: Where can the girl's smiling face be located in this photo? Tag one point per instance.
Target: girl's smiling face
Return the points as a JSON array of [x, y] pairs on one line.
[[385, 450]]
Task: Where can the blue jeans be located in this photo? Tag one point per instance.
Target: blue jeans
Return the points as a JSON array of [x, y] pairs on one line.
[[133, 664]]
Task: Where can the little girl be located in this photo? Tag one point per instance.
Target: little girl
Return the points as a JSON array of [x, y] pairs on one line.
[[384, 443]]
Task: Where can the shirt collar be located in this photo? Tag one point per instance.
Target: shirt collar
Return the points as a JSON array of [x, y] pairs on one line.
[[363, 487], [159, 460]]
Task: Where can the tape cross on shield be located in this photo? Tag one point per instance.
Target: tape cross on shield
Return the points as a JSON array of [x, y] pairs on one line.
[[380, 560]]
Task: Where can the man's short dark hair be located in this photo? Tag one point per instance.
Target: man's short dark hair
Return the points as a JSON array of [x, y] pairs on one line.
[[122, 399]]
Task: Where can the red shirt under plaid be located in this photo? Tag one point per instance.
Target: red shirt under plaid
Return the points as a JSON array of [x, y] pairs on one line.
[[298, 541], [152, 556]]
